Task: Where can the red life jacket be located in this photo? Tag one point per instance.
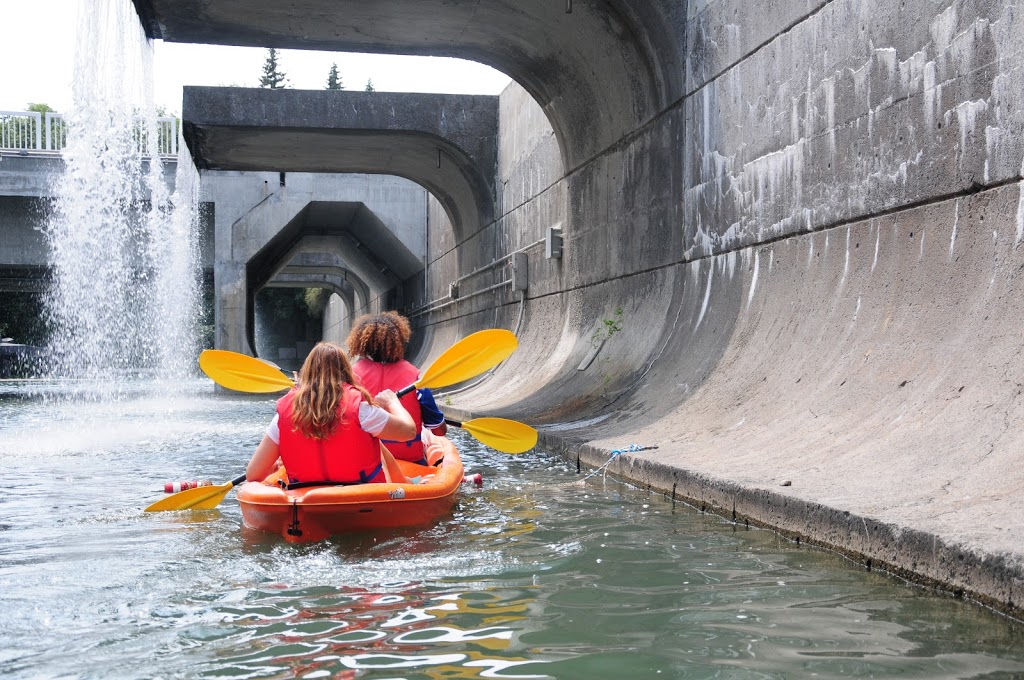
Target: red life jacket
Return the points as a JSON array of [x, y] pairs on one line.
[[376, 377], [350, 455]]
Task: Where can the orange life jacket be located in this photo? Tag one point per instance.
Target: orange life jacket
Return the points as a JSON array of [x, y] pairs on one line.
[[375, 377], [349, 456]]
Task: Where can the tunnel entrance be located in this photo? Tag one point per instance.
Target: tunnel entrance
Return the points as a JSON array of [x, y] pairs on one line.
[[332, 262], [289, 321]]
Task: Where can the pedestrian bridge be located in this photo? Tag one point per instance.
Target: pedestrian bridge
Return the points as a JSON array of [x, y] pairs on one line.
[[34, 132]]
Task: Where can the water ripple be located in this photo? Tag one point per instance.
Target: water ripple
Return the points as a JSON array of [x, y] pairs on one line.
[[534, 575]]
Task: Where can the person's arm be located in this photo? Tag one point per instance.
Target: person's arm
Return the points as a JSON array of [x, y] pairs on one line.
[[433, 419], [400, 425], [263, 461]]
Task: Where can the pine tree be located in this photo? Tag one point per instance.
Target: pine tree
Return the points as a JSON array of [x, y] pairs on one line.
[[273, 78], [369, 85], [333, 79]]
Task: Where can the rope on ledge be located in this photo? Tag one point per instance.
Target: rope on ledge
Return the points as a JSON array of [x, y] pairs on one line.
[[615, 453]]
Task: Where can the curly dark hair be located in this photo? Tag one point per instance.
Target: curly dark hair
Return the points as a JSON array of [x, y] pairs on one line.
[[380, 337]]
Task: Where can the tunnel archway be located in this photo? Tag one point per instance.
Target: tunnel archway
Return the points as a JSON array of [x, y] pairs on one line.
[[598, 68], [342, 241], [347, 295], [445, 143]]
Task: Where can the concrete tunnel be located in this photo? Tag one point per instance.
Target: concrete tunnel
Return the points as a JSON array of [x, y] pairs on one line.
[[369, 262], [791, 252]]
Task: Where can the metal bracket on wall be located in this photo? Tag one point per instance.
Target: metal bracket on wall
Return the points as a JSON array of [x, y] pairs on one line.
[[519, 263], [553, 243]]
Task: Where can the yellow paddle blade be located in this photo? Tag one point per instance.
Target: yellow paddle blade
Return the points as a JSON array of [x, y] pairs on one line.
[[504, 435], [469, 357], [242, 373], [203, 498]]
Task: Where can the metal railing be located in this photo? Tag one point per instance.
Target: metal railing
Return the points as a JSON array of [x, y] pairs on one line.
[[31, 131]]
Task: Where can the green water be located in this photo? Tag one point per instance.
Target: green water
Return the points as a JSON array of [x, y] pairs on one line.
[[536, 574]]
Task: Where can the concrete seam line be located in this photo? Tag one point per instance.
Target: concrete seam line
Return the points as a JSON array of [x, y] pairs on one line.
[[970, 191], [654, 118], [754, 50]]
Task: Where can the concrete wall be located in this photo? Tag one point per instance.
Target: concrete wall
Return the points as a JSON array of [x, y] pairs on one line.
[[21, 237], [35, 175], [336, 320], [816, 257]]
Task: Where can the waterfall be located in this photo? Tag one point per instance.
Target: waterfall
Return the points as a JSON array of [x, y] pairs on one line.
[[122, 247]]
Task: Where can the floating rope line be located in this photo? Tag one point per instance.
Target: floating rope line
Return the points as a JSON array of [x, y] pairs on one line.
[[632, 448]]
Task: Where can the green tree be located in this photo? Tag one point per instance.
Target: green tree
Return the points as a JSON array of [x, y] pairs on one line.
[[316, 300], [333, 79], [40, 108], [273, 77], [369, 85]]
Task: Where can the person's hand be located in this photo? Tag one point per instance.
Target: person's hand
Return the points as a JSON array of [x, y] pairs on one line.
[[385, 399]]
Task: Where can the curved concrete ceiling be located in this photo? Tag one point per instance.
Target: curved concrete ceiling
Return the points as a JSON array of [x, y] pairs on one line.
[[445, 143], [348, 230], [598, 68], [327, 243]]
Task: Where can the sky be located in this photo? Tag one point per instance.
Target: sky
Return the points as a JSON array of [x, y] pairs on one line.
[[46, 49]]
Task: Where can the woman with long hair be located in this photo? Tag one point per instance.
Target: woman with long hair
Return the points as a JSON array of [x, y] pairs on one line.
[[327, 428], [379, 341]]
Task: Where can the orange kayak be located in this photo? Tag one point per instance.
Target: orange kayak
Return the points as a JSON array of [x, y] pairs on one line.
[[414, 495]]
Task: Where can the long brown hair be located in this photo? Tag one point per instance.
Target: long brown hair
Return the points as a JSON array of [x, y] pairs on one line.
[[320, 390], [380, 337]]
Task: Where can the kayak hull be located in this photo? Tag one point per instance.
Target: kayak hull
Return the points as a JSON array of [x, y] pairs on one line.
[[313, 514]]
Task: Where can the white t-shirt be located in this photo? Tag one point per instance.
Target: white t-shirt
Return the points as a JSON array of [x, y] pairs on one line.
[[371, 418]]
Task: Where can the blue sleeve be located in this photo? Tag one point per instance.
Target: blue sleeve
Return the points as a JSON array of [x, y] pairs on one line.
[[432, 416]]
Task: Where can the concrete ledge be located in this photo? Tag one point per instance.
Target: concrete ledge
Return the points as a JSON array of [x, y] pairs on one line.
[[995, 581]]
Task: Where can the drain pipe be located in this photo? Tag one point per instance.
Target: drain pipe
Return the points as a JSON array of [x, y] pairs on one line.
[[453, 295]]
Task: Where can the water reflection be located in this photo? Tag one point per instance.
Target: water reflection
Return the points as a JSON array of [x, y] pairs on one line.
[[330, 630]]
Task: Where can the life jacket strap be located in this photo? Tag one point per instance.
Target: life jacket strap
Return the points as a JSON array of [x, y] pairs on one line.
[[407, 442], [364, 478]]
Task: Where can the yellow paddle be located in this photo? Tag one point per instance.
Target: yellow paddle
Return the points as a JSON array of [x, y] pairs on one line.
[[467, 358], [201, 498], [236, 371], [242, 373], [509, 436]]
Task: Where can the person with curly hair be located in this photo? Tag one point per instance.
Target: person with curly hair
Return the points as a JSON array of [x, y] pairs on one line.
[[327, 429], [379, 340]]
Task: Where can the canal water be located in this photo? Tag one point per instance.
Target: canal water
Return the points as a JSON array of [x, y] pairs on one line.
[[537, 574]]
